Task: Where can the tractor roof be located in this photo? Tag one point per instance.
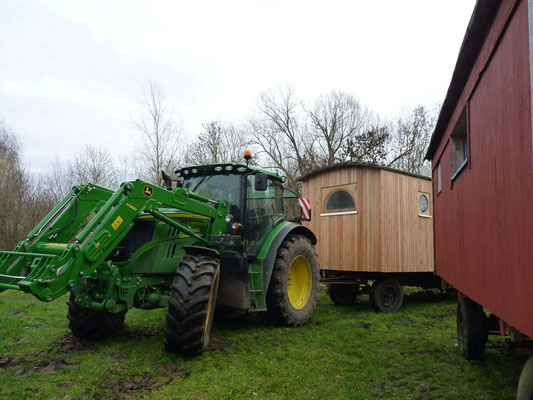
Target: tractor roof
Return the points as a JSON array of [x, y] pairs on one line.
[[224, 168]]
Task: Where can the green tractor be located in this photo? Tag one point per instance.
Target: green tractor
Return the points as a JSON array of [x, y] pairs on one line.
[[218, 240]]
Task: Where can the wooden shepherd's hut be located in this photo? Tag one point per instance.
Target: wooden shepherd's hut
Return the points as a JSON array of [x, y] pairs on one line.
[[373, 224]]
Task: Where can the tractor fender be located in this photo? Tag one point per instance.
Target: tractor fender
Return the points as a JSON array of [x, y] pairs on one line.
[[269, 250], [201, 251]]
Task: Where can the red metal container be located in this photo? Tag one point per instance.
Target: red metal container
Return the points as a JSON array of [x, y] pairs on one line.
[[482, 158]]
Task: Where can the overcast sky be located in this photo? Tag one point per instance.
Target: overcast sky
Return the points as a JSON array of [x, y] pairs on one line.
[[72, 73]]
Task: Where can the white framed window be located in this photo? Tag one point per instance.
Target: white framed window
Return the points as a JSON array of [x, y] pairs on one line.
[[339, 200], [424, 204]]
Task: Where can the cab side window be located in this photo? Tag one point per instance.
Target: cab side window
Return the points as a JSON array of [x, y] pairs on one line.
[[263, 209]]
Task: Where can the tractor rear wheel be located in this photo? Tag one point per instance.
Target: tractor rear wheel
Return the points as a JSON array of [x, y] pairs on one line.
[[343, 295], [472, 333], [89, 324], [386, 296], [191, 305], [293, 291]]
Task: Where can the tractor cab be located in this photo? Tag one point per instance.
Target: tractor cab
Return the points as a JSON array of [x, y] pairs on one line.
[[255, 198]]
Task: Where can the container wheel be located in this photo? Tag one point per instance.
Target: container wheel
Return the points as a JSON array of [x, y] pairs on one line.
[[472, 331], [386, 295], [343, 295], [525, 384], [191, 305], [293, 291], [89, 324]]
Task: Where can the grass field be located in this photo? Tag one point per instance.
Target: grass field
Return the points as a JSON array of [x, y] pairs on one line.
[[343, 353]]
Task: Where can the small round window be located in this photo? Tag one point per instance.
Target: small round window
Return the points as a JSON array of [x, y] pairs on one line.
[[340, 200], [423, 203]]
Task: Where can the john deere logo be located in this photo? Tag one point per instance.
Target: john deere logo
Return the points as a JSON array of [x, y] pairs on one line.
[[148, 191]]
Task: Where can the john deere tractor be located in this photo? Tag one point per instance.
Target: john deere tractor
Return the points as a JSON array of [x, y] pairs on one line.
[[218, 240]]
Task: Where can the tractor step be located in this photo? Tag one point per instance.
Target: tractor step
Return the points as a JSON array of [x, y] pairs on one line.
[[257, 289]]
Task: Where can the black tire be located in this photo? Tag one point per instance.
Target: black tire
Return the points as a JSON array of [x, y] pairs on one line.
[[472, 333], [525, 384], [92, 324], [288, 302], [343, 295], [386, 296], [191, 305]]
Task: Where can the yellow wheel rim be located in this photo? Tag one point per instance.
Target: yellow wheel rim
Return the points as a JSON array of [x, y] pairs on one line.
[[210, 304], [299, 282]]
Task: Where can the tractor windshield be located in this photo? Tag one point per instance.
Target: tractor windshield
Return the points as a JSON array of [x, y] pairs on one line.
[[218, 187]]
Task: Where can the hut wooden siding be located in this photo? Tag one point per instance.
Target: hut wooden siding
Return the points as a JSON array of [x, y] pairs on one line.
[[484, 217], [386, 235]]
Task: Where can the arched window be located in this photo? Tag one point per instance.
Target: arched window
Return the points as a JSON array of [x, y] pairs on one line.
[[340, 200]]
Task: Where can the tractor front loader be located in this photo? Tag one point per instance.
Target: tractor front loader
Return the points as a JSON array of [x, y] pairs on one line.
[[149, 247]]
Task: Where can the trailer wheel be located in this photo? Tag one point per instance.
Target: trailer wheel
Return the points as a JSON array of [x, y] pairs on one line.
[[472, 331], [386, 296], [191, 305], [343, 295], [293, 291], [89, 324], [525, 384]]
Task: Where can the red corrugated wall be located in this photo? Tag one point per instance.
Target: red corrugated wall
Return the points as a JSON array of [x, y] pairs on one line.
[[484, 218]]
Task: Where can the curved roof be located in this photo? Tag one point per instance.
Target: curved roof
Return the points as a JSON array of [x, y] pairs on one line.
[[358, 164]]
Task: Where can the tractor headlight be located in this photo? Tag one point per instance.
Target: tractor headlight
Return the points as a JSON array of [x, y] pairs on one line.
[[228, 218]]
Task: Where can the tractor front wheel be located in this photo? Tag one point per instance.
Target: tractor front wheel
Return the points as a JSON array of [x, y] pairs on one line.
[[89, 324], [191, 305], [293, 291], [343, 295]]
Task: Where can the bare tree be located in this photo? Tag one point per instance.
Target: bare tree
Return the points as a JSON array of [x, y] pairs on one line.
[[370, 146], [280, 133], [58, 182], [22, 204], [90, 165], [217, 143], [93, 165], [126, 169], [162, 142], [411, 140], [334, 119]]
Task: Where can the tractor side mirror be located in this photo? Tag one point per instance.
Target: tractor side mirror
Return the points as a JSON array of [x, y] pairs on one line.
[[261, 182]]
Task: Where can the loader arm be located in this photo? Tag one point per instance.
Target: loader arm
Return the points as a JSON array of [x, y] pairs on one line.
[[81, 231]]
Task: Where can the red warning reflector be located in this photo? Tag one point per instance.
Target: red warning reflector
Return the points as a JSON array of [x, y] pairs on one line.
[[306, 208]]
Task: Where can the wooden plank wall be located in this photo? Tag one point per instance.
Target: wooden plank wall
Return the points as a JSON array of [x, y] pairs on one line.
[[374, 239], [407, 238]]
